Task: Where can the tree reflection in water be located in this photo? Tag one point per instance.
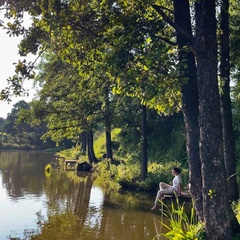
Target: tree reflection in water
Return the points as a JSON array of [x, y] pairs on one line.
[[116, 217], [75, 207]]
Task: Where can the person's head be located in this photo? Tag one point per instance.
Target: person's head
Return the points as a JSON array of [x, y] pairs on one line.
[[176, 171]]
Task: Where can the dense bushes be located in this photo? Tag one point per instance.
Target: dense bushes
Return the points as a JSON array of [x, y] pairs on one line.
[[126, 175]]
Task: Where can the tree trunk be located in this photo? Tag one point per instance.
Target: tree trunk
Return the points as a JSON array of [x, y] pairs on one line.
[[144, 143], [109, 142], [216, 207], [108, 127], [83, 140], [91, 155], [226, 110], [189, 100]]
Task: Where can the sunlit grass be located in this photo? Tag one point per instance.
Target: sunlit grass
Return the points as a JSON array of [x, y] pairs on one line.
[[100, 141]]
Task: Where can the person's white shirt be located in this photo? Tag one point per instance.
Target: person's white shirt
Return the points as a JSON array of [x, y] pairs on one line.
[[176, 181]]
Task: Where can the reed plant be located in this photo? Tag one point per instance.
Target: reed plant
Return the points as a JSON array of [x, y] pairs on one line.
[[182, 225]]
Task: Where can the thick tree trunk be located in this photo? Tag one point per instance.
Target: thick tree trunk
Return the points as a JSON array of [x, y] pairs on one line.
[[189, 100], [216, 207], [144, 162], [91, 155], [226, 110]]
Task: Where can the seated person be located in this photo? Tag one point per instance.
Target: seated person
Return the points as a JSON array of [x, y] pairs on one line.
[[165, 188]]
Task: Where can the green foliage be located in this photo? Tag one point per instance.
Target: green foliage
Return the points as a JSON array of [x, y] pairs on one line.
[[167, 139], [72, 153], [166, 135], [18, 133], [127, 175], [163, 153], [182, 226], [105, 174], [100, 142], [236, 125], [161, 172], [236, 209], [120, 42]]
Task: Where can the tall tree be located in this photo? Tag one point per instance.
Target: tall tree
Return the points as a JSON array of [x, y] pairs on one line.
[[226, 106], [217, 211], [20, 130], [189, 91]]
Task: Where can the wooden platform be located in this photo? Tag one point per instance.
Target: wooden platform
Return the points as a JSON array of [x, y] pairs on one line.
[[184, 197], [69, 163], [171, 203]]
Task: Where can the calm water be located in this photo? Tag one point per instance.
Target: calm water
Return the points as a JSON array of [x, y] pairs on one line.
[[66, 205]]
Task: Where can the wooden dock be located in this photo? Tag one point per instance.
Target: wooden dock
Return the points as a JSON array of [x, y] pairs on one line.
[[185, 197], [171, 203], [69, 163]]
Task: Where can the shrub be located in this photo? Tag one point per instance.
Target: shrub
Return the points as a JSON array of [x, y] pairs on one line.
[[105, 174], [162, 173]]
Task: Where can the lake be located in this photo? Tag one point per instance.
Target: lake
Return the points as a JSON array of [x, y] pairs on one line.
[[66, 205]]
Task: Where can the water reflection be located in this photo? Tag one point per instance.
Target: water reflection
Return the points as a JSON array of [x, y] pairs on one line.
[[67, 205], [22, 172]]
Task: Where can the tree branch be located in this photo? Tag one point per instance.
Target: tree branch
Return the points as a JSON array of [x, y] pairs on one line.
[[164, 15], [167, 41], [167, 9]]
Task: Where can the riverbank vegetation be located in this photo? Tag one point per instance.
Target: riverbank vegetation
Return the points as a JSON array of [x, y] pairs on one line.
[[125, 173], [159, 71]]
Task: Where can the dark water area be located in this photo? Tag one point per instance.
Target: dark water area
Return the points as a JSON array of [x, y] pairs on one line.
[[66, 205]]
